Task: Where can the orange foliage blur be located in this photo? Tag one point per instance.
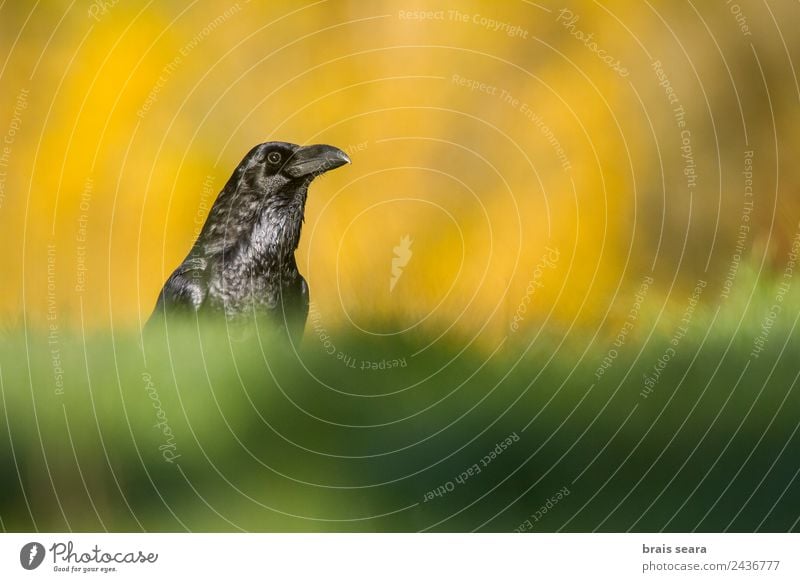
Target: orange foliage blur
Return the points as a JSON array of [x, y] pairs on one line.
[[491, 134]]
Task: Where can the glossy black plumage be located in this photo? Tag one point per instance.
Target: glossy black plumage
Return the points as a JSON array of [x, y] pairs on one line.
[[242, 264]]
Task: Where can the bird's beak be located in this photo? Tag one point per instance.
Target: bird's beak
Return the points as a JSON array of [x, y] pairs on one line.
[[314, 160]]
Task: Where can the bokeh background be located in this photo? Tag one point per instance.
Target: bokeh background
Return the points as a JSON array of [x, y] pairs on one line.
[[544, 200]]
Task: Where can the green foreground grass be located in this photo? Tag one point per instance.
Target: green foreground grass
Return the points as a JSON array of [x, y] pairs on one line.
[[194, 429]]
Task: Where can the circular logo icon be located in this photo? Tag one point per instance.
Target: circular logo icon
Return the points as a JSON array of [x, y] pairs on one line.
[[31, 555]]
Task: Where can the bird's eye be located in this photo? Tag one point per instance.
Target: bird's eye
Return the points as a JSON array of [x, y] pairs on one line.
[[273, 157]]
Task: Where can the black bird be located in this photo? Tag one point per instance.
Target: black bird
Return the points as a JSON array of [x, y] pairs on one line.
[[242, 264]]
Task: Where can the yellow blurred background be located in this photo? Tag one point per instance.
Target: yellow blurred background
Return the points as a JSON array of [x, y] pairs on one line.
[[532, 153]]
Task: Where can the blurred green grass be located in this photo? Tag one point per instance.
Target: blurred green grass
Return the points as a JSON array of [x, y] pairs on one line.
[[272, 437]]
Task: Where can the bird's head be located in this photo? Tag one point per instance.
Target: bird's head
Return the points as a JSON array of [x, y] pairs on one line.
[[284, 170], [265, 197]]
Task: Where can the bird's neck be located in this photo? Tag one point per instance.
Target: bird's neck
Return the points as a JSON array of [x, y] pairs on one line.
[[248, 230], [276, 232]]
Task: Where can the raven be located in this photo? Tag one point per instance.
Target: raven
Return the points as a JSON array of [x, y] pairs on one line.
[[242, 264]]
